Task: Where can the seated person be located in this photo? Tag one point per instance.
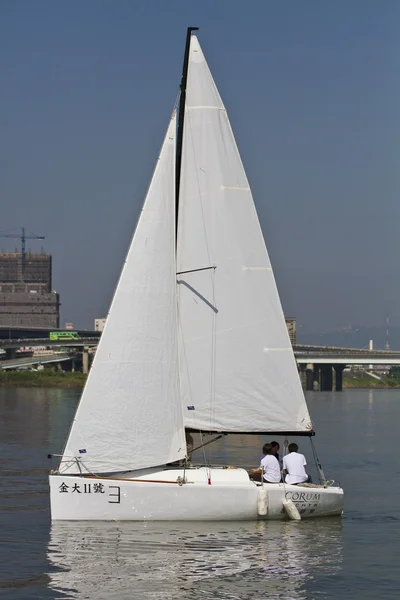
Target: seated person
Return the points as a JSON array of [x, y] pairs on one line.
[[293, 466], [275, 451], [270, 465]]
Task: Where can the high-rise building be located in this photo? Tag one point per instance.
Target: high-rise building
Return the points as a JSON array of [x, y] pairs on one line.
[[26, 295], [36, 267]]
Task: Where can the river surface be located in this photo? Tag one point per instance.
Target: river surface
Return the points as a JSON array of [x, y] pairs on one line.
[[356, 557]]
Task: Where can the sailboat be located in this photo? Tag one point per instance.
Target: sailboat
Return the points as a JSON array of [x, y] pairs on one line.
[[195, 341]]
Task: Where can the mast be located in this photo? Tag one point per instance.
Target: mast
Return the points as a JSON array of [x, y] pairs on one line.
[[181, 118]]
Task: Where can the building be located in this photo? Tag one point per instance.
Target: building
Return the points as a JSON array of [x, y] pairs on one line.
[[99, 324], [291, 326], [16, 267], [26, 295]]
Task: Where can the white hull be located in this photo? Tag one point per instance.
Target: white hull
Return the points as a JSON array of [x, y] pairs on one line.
[[156, 495]]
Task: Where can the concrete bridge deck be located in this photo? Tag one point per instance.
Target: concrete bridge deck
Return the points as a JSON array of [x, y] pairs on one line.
[[344, 356], [32, 342], [38, 359], [317, 363]]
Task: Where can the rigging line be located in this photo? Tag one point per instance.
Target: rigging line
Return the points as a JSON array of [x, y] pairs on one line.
[[209, 442], [210, 262], [199, 190], [213, 355], [202, 444], [321, 474], [176, 102], [196, 270], [285, 445], [81, 463], [183, 345], [189, 382], [203, 447]]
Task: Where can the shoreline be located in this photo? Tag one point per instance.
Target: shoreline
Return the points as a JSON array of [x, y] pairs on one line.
[[42, 379], [370, 383], [48, 378]]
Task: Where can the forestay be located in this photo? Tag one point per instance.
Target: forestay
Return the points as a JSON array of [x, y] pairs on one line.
[[130, 416], [237, 367]]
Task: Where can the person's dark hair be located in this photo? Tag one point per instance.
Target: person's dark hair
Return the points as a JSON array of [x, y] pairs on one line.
[[293, 447], [267, 449], [275, 445]]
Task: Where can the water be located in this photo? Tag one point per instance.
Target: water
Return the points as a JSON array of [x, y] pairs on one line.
[[354, 557]]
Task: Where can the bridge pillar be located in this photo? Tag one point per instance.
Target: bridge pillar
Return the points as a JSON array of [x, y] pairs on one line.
[[11, 353], [326, 378], [339, 377], [302, 370], [316, 378], [309, 380], [85, 360]]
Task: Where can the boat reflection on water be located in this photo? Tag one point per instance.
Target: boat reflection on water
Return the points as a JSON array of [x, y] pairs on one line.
[[157, 560]]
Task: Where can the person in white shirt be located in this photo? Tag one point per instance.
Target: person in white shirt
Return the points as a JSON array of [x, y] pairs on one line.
[[270, 465], [293, 466], [275, 452]]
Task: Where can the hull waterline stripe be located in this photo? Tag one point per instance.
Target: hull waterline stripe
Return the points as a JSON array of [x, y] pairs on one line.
[[309, 433]]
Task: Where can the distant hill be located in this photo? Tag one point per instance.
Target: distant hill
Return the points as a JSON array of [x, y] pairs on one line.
[[356, 337]]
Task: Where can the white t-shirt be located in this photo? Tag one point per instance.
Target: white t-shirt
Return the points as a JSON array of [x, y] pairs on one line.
[[270, 467], [294, 464]]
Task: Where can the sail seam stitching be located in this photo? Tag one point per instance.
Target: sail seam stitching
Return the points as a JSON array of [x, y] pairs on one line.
[[223, 109]]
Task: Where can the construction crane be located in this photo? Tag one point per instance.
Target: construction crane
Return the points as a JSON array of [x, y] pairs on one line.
[[24, 236]]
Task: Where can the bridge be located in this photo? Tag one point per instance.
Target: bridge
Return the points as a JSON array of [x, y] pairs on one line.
[[25, 334], [316, 363], [319, 363], [12, 338], [346, 356], [32, 342], [37, 359]]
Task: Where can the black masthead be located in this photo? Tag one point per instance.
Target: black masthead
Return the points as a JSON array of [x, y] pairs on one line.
[[181, 117]]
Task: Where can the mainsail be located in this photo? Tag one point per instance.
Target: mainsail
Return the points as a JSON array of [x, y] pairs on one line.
[[130, 416], [237, 368]]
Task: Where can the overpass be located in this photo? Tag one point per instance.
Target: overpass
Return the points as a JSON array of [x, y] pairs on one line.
[[320, 362], [346, 356], [42, 333], [32, 342], [37, 359], [12, 338]]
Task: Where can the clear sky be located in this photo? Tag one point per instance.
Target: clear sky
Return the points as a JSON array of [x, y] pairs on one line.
[[312, 91]]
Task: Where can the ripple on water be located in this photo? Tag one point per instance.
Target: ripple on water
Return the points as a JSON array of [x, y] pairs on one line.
[[131, 560], [253, 561]]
